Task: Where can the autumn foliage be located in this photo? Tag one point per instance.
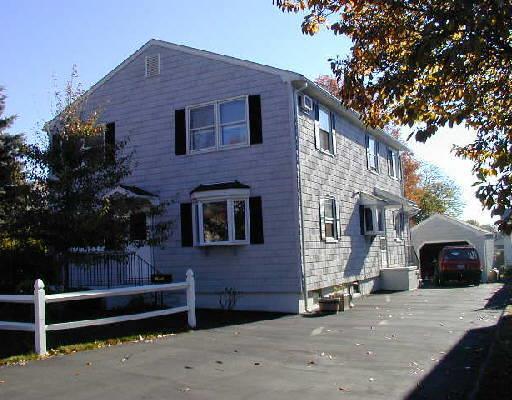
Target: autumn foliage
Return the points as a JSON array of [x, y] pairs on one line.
[[429, 64]]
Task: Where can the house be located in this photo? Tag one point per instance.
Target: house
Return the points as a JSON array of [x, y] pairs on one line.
[[437, 231], [277, 191]]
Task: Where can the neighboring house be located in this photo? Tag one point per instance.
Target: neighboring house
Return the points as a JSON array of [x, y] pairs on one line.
[[277, 191], [437, 231]]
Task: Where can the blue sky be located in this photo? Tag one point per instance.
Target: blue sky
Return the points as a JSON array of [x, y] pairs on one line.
[[42, 40]]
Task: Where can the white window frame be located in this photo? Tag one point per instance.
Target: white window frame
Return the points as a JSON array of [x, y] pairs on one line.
[[331, 133], [335, 220], [372, 153], [217, 126], [229, 196], [394, 163]]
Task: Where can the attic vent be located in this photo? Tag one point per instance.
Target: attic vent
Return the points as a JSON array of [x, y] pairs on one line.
[[152, 65]]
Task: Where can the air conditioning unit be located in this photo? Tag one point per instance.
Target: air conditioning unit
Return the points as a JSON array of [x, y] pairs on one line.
[[305, 103]]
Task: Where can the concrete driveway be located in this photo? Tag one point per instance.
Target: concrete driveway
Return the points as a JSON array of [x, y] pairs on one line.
[[423, 344]]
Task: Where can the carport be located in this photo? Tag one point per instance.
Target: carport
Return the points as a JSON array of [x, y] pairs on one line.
[[431, 235]]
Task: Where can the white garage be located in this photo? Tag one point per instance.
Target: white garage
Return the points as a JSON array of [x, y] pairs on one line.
[[431, 235]]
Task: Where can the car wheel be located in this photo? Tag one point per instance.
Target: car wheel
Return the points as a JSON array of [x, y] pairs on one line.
[[477, 282]]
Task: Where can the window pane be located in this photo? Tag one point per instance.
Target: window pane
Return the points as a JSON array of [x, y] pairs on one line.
[[329, 208], [239, 210], [234, 134], [324, 120], [215, 221], [391, 164], [380, 219], [371, 145], [397, 166], [329, 229], [232, 111], [203, 139], [201, 116], [368, 219], [325, 141]]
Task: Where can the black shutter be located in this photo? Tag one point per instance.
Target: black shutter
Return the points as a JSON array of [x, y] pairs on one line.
[[110, 142], [361, 219], [255, 119], [180, 132], [316, 110], [256, 215], [138, 229], [187, 238]]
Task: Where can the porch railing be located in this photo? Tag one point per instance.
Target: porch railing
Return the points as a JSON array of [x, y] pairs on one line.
[[108, 270]]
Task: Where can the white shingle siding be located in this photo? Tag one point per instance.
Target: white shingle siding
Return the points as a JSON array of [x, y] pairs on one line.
[[354, 256], [143, 110]]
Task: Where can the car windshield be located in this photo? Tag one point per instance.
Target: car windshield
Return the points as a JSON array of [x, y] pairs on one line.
[[460, 254]]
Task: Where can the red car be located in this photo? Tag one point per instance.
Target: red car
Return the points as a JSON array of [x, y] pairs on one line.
[[459, 263]]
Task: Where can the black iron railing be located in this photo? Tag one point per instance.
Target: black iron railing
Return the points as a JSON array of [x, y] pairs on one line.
[[109, 269]]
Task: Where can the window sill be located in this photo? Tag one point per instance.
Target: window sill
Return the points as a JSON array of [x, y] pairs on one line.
[[215, 149], [373, 171], [330, 240], [327, 153], [216, 244]]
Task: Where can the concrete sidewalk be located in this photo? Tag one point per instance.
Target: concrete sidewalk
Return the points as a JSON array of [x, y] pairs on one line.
[[423, 344]]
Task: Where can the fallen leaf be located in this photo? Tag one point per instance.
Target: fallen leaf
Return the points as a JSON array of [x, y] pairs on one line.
[[2, 382], [311, 362], [188, 367], [257, 363], [371, 379], [343, 389], [184, 389], [88, 363], [219, 362]]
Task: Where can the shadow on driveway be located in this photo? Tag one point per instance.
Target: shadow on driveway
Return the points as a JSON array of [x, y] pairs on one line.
[[449, 379]]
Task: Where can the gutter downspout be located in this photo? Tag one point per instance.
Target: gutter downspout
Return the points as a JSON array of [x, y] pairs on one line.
[[294, 94]]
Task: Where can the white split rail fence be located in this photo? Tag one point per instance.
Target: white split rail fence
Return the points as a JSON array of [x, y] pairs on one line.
[[40, 299]]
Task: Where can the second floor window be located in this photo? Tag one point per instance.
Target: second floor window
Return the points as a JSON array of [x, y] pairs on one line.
[[325, 135], [393, 164], [217, 125], [372, 153]]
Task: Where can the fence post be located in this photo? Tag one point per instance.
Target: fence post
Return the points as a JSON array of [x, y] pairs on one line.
[[191, 299], [40, 317]]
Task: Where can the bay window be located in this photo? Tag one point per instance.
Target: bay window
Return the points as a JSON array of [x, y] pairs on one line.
[[221, 217]]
